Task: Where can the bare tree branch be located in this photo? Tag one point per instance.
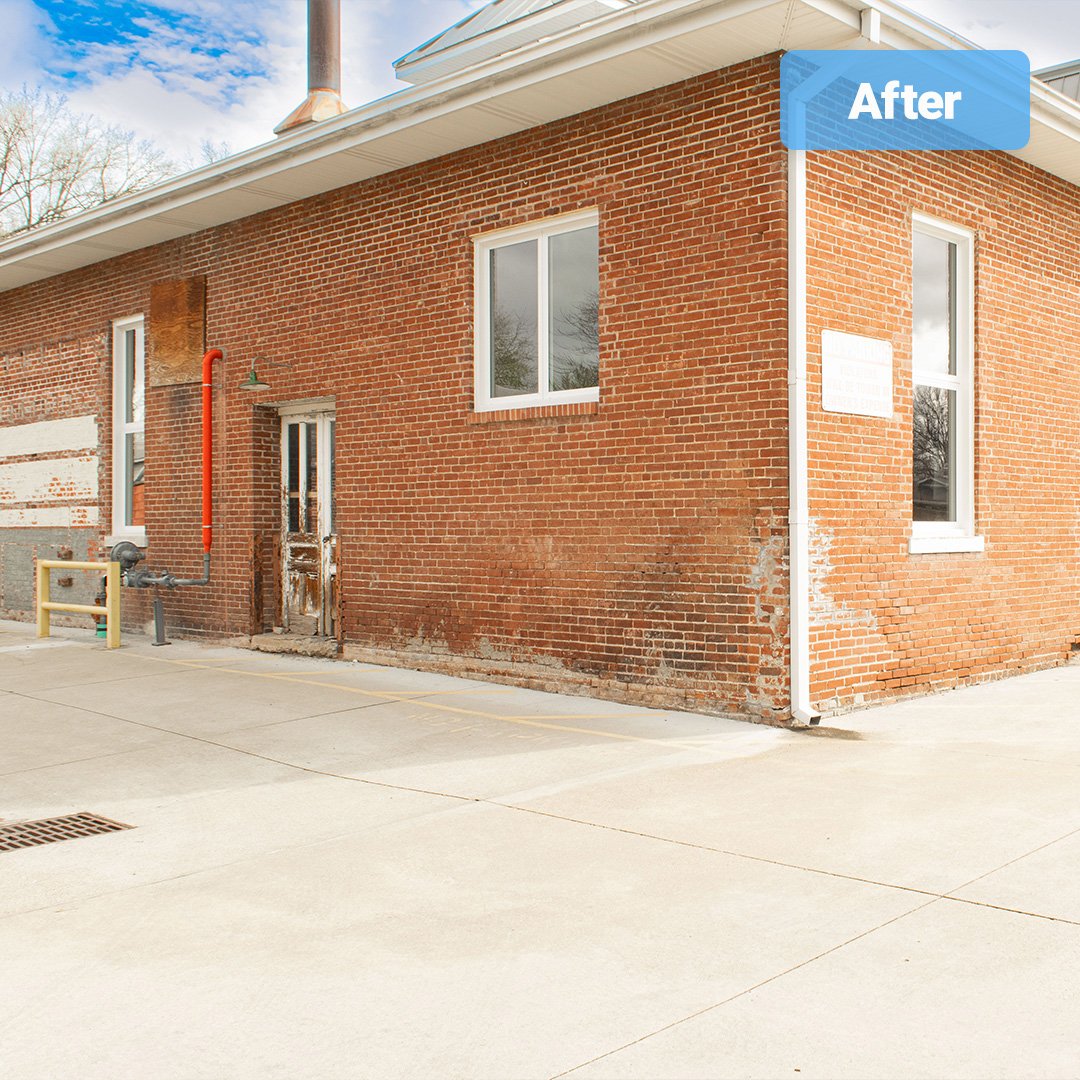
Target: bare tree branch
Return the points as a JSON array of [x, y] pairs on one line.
[[54, 162]]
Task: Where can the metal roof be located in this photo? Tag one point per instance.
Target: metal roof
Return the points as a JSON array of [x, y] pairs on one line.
[[1064, 78], [648, 44], [495, 29]]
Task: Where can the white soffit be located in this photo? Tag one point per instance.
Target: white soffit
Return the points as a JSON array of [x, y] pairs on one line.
[[649, 44]]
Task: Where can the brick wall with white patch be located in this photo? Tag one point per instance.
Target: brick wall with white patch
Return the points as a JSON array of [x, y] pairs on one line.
[[51, 466], [886, 622]]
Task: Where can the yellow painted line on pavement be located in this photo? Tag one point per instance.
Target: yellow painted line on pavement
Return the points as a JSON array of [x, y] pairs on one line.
[[540, 721]]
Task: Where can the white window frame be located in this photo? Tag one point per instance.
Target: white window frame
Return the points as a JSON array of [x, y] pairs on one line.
[[540, 231], [959, 535], [120, 428]]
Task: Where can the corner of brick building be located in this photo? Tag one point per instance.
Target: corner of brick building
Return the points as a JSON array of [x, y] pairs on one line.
[[885, 623]]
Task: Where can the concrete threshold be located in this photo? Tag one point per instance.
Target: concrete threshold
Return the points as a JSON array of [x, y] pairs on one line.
[[293, 644]]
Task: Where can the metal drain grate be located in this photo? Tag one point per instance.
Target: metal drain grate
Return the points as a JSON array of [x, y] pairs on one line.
[[51, 830]]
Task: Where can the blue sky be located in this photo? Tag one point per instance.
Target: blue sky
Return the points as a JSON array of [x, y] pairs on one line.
[[181, 71]]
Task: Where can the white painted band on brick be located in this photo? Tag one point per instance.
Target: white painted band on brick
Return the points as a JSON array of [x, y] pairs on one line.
[[49, 517], [49, 480], [49, 436]]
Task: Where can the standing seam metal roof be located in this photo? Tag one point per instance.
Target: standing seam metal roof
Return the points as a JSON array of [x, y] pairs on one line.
[[1064, 78]]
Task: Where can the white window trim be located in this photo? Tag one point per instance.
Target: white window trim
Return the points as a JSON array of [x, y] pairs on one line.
[[929, 537], [483, 245], [121, 531]]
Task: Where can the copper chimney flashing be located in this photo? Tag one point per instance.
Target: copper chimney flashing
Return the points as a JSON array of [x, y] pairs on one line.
[[324, 68]]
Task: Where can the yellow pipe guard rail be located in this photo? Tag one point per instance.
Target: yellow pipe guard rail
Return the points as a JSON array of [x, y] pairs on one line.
[[111, 610]]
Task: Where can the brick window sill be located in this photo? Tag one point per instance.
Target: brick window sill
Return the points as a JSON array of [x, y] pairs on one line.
[[535, 412]]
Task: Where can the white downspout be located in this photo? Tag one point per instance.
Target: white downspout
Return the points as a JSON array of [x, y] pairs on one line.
[[798, 480]]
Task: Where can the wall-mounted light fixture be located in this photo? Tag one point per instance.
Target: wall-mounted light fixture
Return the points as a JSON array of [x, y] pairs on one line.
[[253, 382]]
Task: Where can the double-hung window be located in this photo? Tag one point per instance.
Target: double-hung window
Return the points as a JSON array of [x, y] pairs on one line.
[[537, 314], [129, 430], [943, 414]]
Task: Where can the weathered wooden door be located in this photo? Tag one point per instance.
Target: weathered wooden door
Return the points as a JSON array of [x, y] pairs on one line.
[[308, 531]]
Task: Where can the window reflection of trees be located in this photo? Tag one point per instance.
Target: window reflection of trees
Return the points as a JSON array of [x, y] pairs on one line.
[[575, 361], [575, 349], [513, 354], [932, 454]]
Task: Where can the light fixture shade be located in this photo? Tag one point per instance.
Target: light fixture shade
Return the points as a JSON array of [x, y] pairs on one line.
[[253, 382]]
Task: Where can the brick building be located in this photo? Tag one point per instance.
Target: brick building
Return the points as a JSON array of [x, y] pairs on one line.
[[554, 344]]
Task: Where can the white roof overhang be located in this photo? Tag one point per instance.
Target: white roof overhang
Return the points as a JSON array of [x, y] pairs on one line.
[[631, 50]]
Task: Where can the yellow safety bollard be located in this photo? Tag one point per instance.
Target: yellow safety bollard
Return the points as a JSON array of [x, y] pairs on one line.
[[42, 598], [111, 610], [112, 606]]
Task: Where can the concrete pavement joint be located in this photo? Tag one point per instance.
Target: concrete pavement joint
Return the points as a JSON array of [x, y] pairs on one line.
[[95, 682], [950, 895], [577, 821], [813, 869], [384, 698], [164, 731], [748, 990], [261, 757], [1010, 910]]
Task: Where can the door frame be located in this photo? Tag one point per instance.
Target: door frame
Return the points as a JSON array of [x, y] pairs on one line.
[[321, 413]]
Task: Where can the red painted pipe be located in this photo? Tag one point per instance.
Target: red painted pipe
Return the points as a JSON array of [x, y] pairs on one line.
[[208, 448]]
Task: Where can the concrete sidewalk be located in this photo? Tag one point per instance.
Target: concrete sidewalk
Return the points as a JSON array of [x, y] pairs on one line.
[[343, 871]]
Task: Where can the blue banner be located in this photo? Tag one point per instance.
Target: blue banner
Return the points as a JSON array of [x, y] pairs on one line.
[[905, 100]]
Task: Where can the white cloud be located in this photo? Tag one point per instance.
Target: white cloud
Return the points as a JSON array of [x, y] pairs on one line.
[[186, 71], [24, 45]]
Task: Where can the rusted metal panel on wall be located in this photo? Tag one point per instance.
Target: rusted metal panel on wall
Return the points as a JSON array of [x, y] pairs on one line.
[[176, 334]]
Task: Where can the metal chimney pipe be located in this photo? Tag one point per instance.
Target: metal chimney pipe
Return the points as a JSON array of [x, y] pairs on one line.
[[324, 45], [324, 68]]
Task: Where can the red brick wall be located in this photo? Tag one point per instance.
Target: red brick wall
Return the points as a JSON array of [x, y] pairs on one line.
[[640, 548], [886, 622]]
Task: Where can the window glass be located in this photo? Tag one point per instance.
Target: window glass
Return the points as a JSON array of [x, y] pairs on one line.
[[293, 477], [538, 320], [574, 330], [934, 305], [129, 424], [333, 469], [311, 509], [513, 328], [934, 454], [132, 387], [943, 386]]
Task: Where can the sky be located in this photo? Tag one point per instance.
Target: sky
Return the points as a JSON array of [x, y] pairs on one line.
[[183, 71]]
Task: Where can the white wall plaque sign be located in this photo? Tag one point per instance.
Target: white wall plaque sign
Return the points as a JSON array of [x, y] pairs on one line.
[[856, 374]]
